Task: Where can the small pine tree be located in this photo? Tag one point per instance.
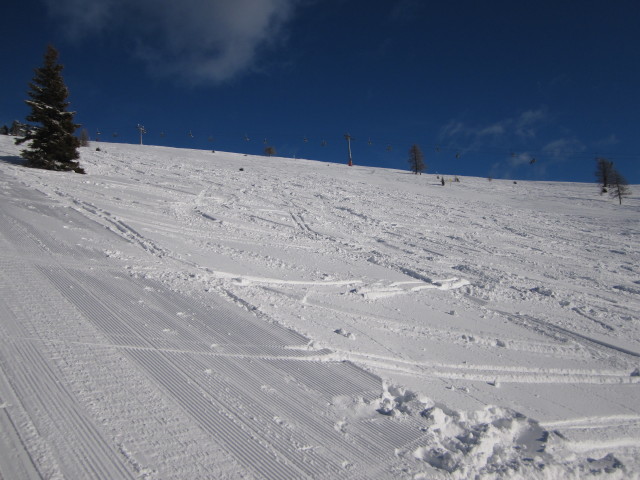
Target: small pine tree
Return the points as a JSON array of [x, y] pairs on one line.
[[270, 151], [4, 130], [416, 159], [17, 129], [53, 145], [604, 173], [619, 186]]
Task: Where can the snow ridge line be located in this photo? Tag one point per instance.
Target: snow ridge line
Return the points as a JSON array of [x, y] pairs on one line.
[[239, 351], [592, 422], [489, 373], [522, 319]]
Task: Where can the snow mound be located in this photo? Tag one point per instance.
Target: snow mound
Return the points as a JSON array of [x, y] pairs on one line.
[[490, 441], [494, 442]]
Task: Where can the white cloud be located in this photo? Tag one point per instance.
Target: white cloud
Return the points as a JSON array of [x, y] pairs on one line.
[[495, 129], [524, 158], [524, 125], [504, 138], [563, 148], [608, 141], [198, 40], [453, 129]]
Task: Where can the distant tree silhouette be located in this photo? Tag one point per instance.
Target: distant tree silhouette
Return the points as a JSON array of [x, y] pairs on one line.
[[4, 130], [17, 129], [270, 151], [416, 159], [84, 138], [52, 145], [619, 186], [604, 173]]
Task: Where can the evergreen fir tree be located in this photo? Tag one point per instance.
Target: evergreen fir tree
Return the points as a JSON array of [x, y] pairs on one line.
[[416, 159], [53, 145]]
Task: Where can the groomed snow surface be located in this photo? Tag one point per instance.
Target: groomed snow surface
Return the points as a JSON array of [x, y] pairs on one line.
[[182, 314]]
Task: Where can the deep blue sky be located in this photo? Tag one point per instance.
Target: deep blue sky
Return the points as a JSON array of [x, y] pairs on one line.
[[482, 87]]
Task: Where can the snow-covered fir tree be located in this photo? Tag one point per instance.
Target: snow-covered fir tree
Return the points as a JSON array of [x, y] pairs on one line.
[[52, 145]]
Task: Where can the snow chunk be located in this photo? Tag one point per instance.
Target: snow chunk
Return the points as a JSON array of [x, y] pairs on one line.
[[490, 441], [397, 401], [344, 333]]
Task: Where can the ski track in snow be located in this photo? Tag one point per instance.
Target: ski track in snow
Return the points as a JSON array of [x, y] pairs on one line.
[[169, 316]]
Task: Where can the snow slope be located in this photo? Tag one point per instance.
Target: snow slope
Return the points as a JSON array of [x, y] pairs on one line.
[[191, 314]]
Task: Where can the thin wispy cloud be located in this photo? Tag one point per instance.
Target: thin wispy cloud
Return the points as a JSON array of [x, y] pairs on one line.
[[608, 141], [527, 122], [504, 140], [563, 148], [524, 158], [523, 126], [199, 41], [491, 130]]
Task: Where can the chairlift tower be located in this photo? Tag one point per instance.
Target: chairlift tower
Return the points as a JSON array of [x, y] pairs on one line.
[[142, 131], [349, 138]]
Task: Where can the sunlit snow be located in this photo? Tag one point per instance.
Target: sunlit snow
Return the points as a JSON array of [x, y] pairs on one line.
[[196, 314]]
